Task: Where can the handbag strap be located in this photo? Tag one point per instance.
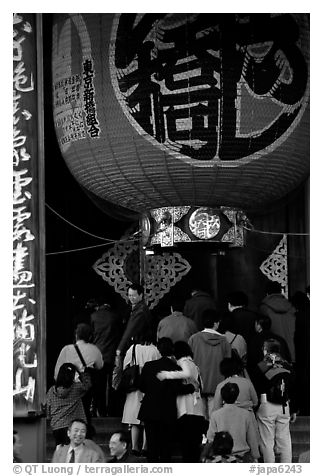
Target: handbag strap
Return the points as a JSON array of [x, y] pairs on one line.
[[199, 381], [133, 358], [80, 355], [233, 339]]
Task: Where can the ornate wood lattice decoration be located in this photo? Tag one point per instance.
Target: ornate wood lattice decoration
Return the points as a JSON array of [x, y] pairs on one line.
[[275, 267], [169, 234], [120, 266], [112, 265], [171, 225], [235, 234], [162, 273]]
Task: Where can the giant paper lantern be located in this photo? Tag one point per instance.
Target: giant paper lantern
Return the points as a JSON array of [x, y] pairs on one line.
[[177, 110]]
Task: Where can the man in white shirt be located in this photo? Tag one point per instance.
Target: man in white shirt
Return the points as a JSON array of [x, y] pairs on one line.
[[90, 352], [92, 358], [77, 451]]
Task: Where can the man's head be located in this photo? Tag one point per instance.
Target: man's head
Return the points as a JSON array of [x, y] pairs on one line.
[[300, 300], [182, 349], [135, 294], [83, 332], [77, 432], [119, 443], [229, 367], [230, 392], [262, 324], [211, 319], [271, 346], [222, 443], [16, 445], [199, 286], [165, 347], [237, 299], [194, 291], [177, 304], [102, 303], [273, 287], [146, 336], [91, 304]]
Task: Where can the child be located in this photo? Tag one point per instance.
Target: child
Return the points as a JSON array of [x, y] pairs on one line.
[[221, 449], [238, 422]]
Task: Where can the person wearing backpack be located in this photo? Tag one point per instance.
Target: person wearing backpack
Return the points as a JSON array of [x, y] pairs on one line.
[[277, 408]]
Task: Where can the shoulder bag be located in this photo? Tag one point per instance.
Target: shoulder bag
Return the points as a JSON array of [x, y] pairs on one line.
[[130, 376], [89, 370]]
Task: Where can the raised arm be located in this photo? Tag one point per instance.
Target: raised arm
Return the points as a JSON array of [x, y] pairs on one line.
[[253, 395], [218, 400], [176, 374]]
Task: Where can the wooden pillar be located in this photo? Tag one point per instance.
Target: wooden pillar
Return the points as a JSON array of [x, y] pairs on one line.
[[29, 316]]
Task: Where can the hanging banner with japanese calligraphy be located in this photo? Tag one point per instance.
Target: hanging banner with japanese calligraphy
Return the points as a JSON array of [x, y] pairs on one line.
[[159, 110], [25, 217]]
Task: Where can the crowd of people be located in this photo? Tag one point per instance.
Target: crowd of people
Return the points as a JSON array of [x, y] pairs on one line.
[[215, 387]]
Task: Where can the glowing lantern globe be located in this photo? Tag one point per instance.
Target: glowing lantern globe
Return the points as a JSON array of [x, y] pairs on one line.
[[166, 110]]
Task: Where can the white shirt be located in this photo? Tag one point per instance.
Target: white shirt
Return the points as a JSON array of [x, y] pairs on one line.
[[91, 355], [144, 353]]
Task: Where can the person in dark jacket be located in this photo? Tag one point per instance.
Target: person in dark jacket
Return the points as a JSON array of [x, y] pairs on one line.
[[119, 449], [301, 303], [158, 410], [281, 313], [261, 334], [106, 326], [139, 319], [239, 319], [194, 307]]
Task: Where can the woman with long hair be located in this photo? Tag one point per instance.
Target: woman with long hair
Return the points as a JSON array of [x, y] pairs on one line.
[[64, 400]]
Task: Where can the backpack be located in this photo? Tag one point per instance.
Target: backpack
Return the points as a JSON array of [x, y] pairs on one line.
[[278, 388]]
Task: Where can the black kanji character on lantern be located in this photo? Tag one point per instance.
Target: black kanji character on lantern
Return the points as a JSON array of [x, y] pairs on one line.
[[180, 75]]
